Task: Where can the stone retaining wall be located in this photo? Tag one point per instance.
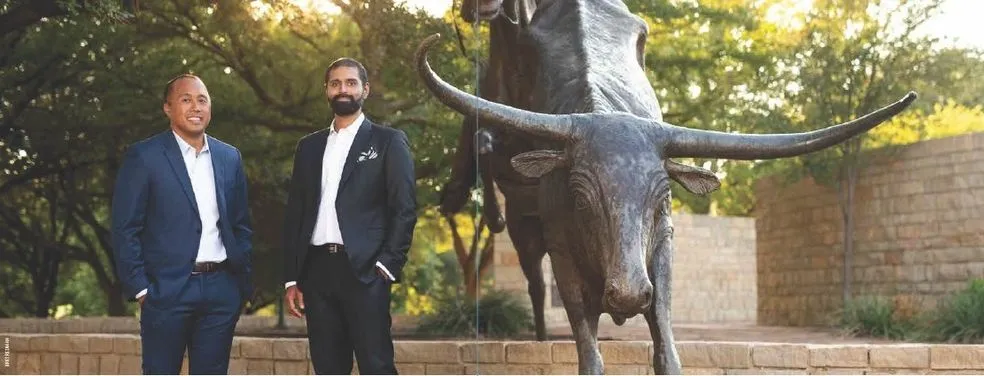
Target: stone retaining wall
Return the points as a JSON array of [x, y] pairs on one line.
[[714, 272], [919, 233], [120, 354]]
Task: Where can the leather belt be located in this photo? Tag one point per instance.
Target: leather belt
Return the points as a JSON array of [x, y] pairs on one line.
[[208, 267], [328, 248]]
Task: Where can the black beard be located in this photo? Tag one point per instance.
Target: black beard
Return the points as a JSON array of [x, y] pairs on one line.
[[345, 108]]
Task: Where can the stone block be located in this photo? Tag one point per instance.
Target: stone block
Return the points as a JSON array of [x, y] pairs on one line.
[[426, 352], [27, 364], [50, 363], [235, 350], [529, 353], [503, 369], [290, 367], [560, 369], [100, 345], [764, 371], [899, 356], [127, 345], [69, 364], [483, 352], [89, 365], [564, 352], [842, 356], [131, 365], [259, 367], [956, 357], [240, 367], [69, 344], [257, 348], [714, 355], [444, 369], [290, 349], [625, 352], [702, 371], [109, 364], [411, 369], [780, 356], [626, 369], [896, 371], [838, 371], [19, 344]]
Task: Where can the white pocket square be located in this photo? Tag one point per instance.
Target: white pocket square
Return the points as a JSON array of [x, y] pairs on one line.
[[368, 154]]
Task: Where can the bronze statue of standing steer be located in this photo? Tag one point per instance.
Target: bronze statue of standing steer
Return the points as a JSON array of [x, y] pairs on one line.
[[605, 201]]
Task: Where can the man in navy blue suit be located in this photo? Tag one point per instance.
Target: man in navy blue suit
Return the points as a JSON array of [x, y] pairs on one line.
[[181, 236]]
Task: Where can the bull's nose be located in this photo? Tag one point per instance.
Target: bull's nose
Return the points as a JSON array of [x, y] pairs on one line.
[[628, 299]]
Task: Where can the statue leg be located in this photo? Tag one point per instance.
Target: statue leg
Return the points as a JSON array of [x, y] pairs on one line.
[[493, 214], [455, 194], [527, 236], [665, 358], [582, 315]]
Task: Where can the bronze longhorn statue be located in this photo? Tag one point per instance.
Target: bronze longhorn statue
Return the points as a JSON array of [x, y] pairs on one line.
[[598, 168]]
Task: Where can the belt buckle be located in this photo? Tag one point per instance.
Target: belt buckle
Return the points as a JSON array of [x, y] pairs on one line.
[[334, 248]]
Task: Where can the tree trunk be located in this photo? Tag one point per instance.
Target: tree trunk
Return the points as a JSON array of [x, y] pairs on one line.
[[467, 256], [46, 281], [115, 304], [848, 184]]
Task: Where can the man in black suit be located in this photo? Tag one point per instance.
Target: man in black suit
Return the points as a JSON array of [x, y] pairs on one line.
[[351, 211]]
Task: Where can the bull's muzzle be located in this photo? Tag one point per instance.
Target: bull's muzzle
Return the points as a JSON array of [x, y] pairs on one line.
[[628, 296]]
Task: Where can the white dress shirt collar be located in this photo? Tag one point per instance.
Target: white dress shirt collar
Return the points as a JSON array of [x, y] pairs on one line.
[[352, 128], [185, 147]]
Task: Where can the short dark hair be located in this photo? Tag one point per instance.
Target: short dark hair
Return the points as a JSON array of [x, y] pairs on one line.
[[170, 84], [347, 62]]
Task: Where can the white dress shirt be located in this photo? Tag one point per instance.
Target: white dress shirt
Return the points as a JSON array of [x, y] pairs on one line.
[[326, 228], [202, 176]]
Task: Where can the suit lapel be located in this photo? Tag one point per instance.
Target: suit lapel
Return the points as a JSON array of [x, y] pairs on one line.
[[173, 155], [359, 145], [317, 155], [218, 171]]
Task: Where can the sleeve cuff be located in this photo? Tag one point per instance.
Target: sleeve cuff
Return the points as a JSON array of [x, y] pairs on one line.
[[141, 293], [385, 271], [289, 284]]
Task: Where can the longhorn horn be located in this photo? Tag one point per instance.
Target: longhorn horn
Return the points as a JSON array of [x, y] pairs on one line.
[[556, 127], [696, 143]]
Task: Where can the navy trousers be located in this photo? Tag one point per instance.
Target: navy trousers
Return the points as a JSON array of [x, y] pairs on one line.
[[201, 320]]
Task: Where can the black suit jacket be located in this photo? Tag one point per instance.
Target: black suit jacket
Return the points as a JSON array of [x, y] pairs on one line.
[[376, 202]]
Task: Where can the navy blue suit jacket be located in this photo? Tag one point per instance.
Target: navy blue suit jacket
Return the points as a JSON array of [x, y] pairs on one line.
[[156, 226]]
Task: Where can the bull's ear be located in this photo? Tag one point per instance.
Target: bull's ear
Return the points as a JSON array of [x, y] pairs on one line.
[[533, 164], [695, 179]]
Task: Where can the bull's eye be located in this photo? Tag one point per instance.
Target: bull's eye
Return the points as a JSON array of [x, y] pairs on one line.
[[581, 202]]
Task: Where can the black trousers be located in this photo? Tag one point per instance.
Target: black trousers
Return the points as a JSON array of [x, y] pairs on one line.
[[345, 315]]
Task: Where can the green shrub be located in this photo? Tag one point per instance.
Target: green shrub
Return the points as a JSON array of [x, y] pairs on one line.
[[499, 314], [960, 317], [876, 317]]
